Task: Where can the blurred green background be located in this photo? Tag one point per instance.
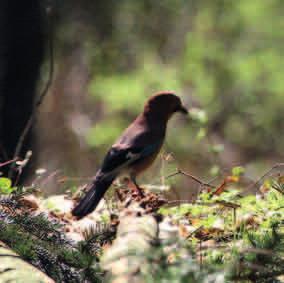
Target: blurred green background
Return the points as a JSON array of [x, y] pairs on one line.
[[223, 57]]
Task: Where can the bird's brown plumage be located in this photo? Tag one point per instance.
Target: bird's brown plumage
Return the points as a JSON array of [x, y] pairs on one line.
[[135, 150]]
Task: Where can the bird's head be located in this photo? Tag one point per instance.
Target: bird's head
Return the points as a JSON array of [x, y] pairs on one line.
[[164, 104]]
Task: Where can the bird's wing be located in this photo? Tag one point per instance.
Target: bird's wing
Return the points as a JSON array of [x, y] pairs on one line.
[[118, 158]]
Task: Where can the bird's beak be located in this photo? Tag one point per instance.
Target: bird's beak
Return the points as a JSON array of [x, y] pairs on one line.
[[183, 110]]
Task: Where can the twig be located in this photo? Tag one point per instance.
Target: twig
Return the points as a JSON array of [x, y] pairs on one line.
[[42, 94], [277, 189], [228, 204], [78, 179], [21, 165], [9, 162], [49, 177], [218, 202], [176, 201], [254, 267], [257, 251], [266, 174], [181, 172], [195, 231]]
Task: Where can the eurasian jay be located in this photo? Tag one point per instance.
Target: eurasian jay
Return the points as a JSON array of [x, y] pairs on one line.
[[135, 150]]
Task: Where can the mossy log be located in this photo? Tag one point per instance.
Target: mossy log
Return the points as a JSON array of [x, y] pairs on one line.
[[126, 259], [15, 269]]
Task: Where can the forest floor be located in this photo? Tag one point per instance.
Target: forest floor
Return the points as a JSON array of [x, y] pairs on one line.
[[223, 236]]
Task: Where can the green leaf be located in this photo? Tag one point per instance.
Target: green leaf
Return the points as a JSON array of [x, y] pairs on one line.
[[6, 186], [5, 183], [216, 148], [201, 134], [238, 170], [214, 170], [199, 115]]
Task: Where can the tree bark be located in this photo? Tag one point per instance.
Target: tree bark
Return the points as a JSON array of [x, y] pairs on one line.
[[21, 55]]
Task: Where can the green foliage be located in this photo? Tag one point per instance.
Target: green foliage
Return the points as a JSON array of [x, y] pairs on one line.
[[95, 237], [224, 55], [264, 239], [279, 186], [76, 259], [21, 243], [198, 115], [41, 227], [238, 170], [43, 243], [6, 186], [225, 237], [233, 63], [105, 132], [125, 93], [216, 148], [247, 244]]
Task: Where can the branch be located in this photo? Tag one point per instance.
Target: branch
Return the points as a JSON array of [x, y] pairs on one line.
[[195, 231], [8, 162], [181, 172], [266, 174]]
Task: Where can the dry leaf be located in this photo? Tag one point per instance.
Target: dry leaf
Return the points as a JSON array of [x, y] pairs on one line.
[[30, 201], [226, 181]]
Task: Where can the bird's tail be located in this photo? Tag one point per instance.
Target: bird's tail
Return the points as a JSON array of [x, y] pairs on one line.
[[92, 198]]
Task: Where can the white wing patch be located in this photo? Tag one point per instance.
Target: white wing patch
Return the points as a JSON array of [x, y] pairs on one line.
[[132, 155]]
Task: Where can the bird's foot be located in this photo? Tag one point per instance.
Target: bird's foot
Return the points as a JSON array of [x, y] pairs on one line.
[[139, 191], [136, 190]]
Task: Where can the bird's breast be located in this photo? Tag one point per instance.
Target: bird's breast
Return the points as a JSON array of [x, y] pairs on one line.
[[141, 165]]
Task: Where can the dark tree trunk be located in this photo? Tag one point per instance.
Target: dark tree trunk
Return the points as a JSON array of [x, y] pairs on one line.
[[21, 55]]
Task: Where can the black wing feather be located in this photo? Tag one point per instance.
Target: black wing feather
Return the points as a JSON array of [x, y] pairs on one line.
[[116, 157]]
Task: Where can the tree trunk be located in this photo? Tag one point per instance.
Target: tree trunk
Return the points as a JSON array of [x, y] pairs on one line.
[[21, 55]]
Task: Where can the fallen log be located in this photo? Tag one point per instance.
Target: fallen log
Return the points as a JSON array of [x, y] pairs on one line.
[[14, 269], [126, 259]]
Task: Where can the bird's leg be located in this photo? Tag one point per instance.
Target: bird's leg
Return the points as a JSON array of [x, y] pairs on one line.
[[136, 186]]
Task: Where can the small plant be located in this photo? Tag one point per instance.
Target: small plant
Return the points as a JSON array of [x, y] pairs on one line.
[[6, 186]]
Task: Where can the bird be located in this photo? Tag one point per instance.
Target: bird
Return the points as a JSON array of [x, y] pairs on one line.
[[135, 150]]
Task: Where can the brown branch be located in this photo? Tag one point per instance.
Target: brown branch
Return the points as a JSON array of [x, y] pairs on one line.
[[266, 174], [42, 94], [195, 231], [8, 162], [227, 204], [181, 172], [176, 201], [49, 177]]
